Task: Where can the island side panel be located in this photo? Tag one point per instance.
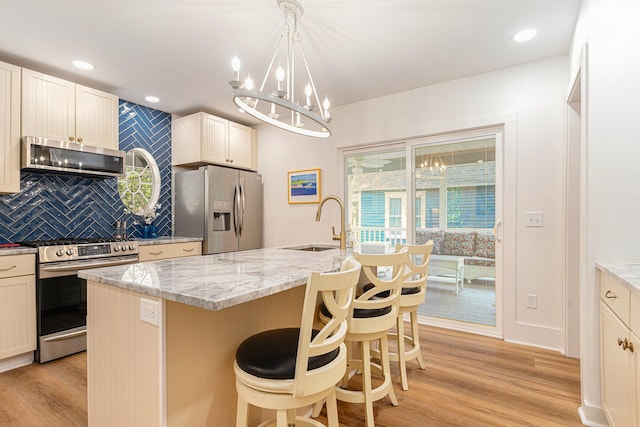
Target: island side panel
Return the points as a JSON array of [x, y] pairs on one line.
[[123, 360], [200, 352]]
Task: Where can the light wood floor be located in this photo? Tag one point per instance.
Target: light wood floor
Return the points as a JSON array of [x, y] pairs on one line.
[[469, 381]]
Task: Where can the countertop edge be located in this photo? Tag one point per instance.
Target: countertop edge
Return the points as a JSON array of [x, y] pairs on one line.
[[167, 239], [17, 251]]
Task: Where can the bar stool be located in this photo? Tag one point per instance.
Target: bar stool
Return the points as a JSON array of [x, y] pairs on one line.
[[290, 368], [373, 316], [414, 289]]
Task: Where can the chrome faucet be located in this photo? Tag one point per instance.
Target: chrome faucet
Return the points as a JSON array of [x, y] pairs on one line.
[[343, 233]]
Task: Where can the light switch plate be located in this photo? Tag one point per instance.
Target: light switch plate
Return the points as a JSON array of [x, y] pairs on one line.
[[534, 219]]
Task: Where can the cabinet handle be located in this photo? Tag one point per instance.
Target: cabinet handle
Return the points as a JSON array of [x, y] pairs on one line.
[[188, 250], [155, 253], [71, 138], [79, 139], [630, 346], [610, 294], [620, 341], [7, 269]]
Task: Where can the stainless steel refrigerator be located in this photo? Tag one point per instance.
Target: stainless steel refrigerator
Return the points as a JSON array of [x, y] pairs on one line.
[[221, 205]]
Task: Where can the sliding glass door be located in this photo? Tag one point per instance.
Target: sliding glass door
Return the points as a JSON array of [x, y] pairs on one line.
[[444, 190], [455, 206]]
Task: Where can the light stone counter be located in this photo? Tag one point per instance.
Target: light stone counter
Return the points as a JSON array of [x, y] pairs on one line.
[[628, 275], [214, 282], [17, 250], [167, 239]]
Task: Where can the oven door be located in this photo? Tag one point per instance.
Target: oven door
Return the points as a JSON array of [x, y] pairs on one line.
[[62, 306]]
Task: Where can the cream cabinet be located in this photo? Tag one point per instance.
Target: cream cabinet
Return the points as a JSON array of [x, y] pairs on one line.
[[62, 110], [9, 128], [619, 347], [202, 138], [17, 305], [169, 250]]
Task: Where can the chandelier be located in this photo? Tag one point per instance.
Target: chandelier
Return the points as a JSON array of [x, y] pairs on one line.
[[277, 104], [431, 167]]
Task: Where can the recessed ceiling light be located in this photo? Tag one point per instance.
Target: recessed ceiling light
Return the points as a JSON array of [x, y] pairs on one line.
[[153, 99], [83, 65], [524, 35]]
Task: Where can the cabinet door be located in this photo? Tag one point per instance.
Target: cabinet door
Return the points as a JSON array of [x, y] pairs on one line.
[[214, 139], [9, 128], [17, 315], [240, 145], [48, 106], [96, 118], [615, 371]]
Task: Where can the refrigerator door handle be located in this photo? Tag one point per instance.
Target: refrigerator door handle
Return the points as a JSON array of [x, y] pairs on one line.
[[242, 205], [236, 210]]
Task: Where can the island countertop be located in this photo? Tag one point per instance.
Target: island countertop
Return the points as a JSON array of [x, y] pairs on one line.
[[215, 282]]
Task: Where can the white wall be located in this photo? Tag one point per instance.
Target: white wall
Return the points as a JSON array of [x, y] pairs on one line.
[[531, 98], [612, 153]]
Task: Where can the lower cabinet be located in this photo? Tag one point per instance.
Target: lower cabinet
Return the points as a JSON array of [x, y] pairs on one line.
[[169, 250], [17, 305], [620, 363]]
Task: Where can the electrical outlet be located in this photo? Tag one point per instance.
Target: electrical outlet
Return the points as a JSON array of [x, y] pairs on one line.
[[534, 219], [150, 311], [532, 301]]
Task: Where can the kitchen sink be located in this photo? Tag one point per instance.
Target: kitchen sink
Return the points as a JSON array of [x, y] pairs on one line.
[[312, 248]]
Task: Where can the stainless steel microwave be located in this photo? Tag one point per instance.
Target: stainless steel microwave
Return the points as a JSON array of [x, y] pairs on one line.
[[44, 154]]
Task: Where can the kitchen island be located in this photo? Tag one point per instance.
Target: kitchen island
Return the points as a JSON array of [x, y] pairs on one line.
[[162, 335]]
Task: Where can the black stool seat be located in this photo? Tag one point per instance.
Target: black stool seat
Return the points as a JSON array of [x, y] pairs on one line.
[[272, 354], [384, 294], [359, 313]]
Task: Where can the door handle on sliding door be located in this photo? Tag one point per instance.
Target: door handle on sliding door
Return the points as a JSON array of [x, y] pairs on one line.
[[495, 230]]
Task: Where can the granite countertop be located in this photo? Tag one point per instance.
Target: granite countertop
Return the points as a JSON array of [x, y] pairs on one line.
[[628, 275], [214, 282], [17, 250], [167, 239]]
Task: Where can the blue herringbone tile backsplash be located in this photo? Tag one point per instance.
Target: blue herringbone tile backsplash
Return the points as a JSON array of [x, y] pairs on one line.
[[49, 206]]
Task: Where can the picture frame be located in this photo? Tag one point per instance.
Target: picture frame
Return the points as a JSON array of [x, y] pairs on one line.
[[304, 186]]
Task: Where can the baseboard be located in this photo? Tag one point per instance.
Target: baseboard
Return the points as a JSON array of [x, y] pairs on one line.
[[473, 328], [593, 417], [16, 361]]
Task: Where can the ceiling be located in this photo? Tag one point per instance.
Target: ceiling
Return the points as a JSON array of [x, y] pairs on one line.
[[181, 50]]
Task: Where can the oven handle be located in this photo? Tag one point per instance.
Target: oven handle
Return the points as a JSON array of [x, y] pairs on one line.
[[78, 266], [65, 336]]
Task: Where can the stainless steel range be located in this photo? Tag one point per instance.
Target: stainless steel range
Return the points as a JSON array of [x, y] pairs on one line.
[[61, 296]]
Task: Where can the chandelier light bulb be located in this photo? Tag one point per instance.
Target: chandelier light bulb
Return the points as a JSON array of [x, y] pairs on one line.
[[235, 66], [248, 83]]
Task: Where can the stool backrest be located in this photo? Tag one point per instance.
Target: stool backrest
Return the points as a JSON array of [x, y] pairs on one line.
[[416, 266], [337, 291], [386, 289]]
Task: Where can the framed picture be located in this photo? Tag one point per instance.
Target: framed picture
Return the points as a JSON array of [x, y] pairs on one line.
[[304, 186]]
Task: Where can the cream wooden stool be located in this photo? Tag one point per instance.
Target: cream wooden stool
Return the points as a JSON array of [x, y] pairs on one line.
[[286, 369], [373, 316], [414, 289]]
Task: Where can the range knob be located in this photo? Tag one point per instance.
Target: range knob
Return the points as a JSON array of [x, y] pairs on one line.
[[70, 251], [116, 248], [123, 248], [131, 247], [60, 252]]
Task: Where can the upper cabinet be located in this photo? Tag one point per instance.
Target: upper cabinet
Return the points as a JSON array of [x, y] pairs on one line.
[[9, 128], [58, 109], [203, 138]]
